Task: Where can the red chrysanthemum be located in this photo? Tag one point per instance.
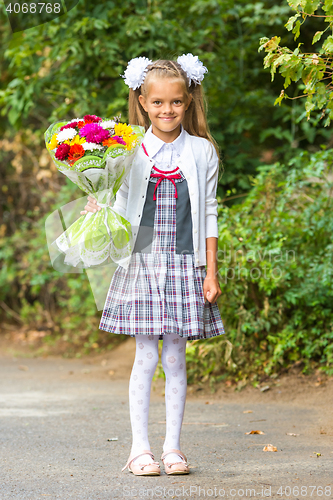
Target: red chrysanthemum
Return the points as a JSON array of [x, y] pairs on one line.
[[81, 124], [69, 125], [76, 152], [62, 152], [92, 119]]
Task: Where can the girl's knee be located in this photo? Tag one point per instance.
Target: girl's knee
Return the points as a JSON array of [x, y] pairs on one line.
[[146, 354], [173, 362], [153, 359]]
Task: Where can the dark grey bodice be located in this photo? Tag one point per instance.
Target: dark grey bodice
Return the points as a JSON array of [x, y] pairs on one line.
[[184, 243]]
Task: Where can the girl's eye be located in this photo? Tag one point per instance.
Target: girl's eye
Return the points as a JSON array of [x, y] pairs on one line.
[[177, 102]]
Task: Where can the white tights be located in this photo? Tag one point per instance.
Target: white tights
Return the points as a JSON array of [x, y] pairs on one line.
[[174, 366]]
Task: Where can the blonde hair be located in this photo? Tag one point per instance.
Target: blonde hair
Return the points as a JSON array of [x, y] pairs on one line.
[[195, 121]]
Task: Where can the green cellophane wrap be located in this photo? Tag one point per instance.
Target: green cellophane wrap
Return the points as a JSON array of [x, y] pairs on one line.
[[95, 238]]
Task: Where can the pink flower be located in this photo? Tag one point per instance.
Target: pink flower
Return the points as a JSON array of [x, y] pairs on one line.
[[62, 152], [94, 133], [118, 139]]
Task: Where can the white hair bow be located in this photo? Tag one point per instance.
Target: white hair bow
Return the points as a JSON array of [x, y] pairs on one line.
[[135, 72], [193, 68]]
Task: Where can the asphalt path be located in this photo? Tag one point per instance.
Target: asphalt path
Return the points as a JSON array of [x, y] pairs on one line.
[[65, 434]]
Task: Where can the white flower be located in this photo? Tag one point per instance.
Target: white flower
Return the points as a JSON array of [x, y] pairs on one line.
[[107, 124], [194, 68], [75, 120], [66, 134], [135, 72], [89, 146]]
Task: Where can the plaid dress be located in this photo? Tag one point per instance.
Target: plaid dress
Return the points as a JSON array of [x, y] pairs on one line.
[[162, 291]]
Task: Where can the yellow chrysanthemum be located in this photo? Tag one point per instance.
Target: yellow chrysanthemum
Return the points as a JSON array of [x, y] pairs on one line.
[[130, 140], [53, 143], [77, 140], [122, 129]]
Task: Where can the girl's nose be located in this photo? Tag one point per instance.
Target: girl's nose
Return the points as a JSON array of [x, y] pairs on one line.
[[167, 108]]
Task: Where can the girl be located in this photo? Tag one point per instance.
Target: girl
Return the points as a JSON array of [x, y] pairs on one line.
[[163, 291]]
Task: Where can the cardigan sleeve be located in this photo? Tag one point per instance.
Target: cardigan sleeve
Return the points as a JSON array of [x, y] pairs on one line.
[[211, 187], [120, 204]]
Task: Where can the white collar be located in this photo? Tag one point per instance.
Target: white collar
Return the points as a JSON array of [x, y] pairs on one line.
[[153, 144]]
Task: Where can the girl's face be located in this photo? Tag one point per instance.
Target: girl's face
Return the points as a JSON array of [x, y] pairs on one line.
[[165, 103]]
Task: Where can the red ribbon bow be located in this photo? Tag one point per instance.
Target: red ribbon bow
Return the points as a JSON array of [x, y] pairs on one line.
[[161, 175]]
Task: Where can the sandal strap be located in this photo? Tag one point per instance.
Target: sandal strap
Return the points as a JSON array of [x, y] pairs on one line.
[[178, 452], [130, 460], [142, 466], [184, 464], [176, 463]]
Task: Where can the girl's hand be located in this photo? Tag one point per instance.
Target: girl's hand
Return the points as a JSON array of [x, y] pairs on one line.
[[211, 289], [90, 206]]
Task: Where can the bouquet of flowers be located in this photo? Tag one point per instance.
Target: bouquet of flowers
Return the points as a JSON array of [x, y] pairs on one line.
[[96, 154]]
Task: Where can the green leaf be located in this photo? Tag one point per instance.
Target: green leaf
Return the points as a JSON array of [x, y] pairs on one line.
[[309, 106], [272, 44], [309, 74], [14, 83], [328, 7], [317, 36], [280, 98], [328, 44], [310, 6], [13, 116], [262, 43], [327, 122], [297, 29], [290, 24], [294, 3]]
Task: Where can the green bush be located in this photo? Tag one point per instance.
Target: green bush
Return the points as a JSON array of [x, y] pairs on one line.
[[63, 305], [275, 270]]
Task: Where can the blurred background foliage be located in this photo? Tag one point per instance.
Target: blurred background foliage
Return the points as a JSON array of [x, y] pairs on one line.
[[274, 189]]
